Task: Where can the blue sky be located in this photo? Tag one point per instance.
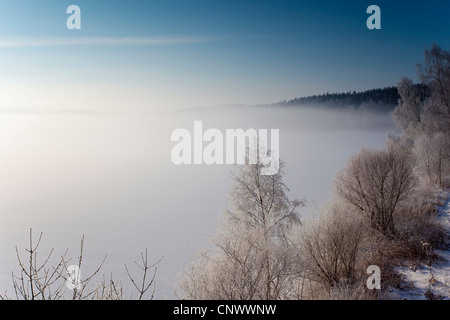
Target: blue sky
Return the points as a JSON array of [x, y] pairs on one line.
[[213, 52]]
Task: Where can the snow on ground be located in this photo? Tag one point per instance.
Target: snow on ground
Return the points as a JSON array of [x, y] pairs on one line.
[[430, 281]]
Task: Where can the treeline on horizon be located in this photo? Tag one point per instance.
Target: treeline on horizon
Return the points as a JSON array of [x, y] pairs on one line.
[[385, 99]]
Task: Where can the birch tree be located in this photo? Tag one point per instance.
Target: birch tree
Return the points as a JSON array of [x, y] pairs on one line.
[[253, 256]]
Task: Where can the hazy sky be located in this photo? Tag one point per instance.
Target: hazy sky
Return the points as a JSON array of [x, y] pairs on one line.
[[163, 55]]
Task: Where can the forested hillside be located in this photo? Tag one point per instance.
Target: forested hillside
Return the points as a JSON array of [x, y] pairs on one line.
[[378, 99]]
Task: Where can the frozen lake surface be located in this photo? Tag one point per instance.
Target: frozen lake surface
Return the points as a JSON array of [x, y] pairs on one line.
[[110, 178]]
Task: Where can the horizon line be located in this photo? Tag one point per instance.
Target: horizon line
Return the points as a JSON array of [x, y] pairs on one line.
[[98, 41]]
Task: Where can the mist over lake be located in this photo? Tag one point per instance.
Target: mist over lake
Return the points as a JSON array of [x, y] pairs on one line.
[[110, 177]]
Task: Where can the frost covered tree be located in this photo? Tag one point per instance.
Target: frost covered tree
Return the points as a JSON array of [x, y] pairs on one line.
[[409, 113], [423, 113], [425, 108], [253, 256], [435, 73], [330, 245], [376, 183], [433, 157]]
